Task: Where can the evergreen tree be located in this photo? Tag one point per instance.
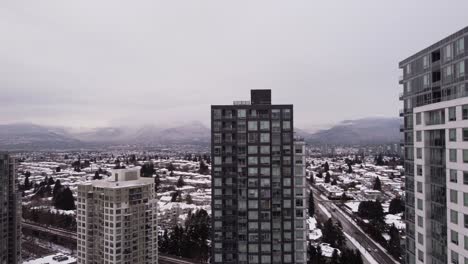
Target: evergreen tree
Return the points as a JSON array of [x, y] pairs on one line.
[[58, 169], [180, 182], [157, 182], [188, 199], [56, 190], [64, 200], [203, 168], [396, 206], [327, 178], [164, 242], [170, 167], [371, 210], [97, 176], [27, 185], [334, 182], [394, 247], [335, 258], [326, 167], [350, 169], [311, 204], [174, 196], [377, 184], [50, 181]]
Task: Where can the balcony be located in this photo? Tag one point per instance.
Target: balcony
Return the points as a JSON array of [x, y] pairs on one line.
[[402, 112], [400, 96], [400, 79]]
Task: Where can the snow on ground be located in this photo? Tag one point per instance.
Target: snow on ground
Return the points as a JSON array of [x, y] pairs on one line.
[[53, 259], [325, 211], [354, 206], [396, 220], [314, 232], [365, 254], [327, 250]]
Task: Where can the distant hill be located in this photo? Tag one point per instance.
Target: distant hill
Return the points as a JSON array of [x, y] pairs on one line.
[[361, 131], [30, 136]]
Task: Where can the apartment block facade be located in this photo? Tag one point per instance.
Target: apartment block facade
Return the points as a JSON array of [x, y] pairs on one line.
[[258, 183], [10, 212], [435, 141], [117, 220]]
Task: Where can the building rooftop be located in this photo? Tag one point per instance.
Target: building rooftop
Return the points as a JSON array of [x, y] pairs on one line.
[[121, 178], [53, 259]]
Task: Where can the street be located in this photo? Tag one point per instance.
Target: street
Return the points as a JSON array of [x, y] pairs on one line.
[[350, 227]]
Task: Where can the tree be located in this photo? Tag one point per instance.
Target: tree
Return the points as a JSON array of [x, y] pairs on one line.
[[379, 160], [377, 184], [203, 168], [311, 204], [56, 190], [27, 185], [394, 247], [315, 254], [174, 196], [97, 176], [180, 182], [65, 200], [58, 169], [333, 234], [188, 199], [327, 177], [50, 181], [170, 167], [334, 182], [396, 206], [371, 210], [350, 169], [147, 170], [326, 167], [157, 182], [335, 257]]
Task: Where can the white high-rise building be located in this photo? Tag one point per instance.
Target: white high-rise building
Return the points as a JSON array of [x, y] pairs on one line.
[[117, 220], [435, 97]]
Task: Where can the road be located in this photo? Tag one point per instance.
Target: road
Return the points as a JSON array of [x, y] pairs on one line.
[[381, 256]]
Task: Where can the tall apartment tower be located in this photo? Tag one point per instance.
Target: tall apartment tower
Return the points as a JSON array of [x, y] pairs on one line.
[[117, 220], [10, 212], [258, 183], [435, 144]]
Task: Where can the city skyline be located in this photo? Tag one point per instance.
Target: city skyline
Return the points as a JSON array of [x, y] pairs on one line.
[[117, 64]]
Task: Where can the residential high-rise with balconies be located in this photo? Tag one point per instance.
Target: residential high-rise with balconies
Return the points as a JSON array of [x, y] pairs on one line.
[[10, 212], [258, 183], [435, 144], [117, 220]]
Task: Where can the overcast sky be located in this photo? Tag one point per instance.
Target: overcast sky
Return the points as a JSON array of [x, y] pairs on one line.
[[100, 63]]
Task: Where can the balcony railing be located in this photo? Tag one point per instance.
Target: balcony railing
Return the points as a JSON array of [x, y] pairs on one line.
[[400, 79], [400, 96]]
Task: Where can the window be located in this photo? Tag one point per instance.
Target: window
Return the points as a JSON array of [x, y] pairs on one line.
[[465, 244], [461, 69], [287, 113], [465, 177], [418, 136], [408, 68], [265, 149], [454, 256], [253, 160], [453, 217], [419, 170], [418, 118], [265, 125], [465, 134], [465, 156], [419, 187], [241, 113], [275, 113], [453, 176], [453, 134], [426, 80], [460, 46], [454, 236], [465, 199], [465, 220], [448, 72], [420, 239], [286, 125], [252, 149], [448, 52], [265, 138], [453, 196], [426, 61], [465, 112], [420, 204], [420, 255], [452, 155], [452, 113], [252, 125], [419, 153]]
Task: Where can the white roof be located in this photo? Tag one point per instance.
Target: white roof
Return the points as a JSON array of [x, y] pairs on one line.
[[50, 260]]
